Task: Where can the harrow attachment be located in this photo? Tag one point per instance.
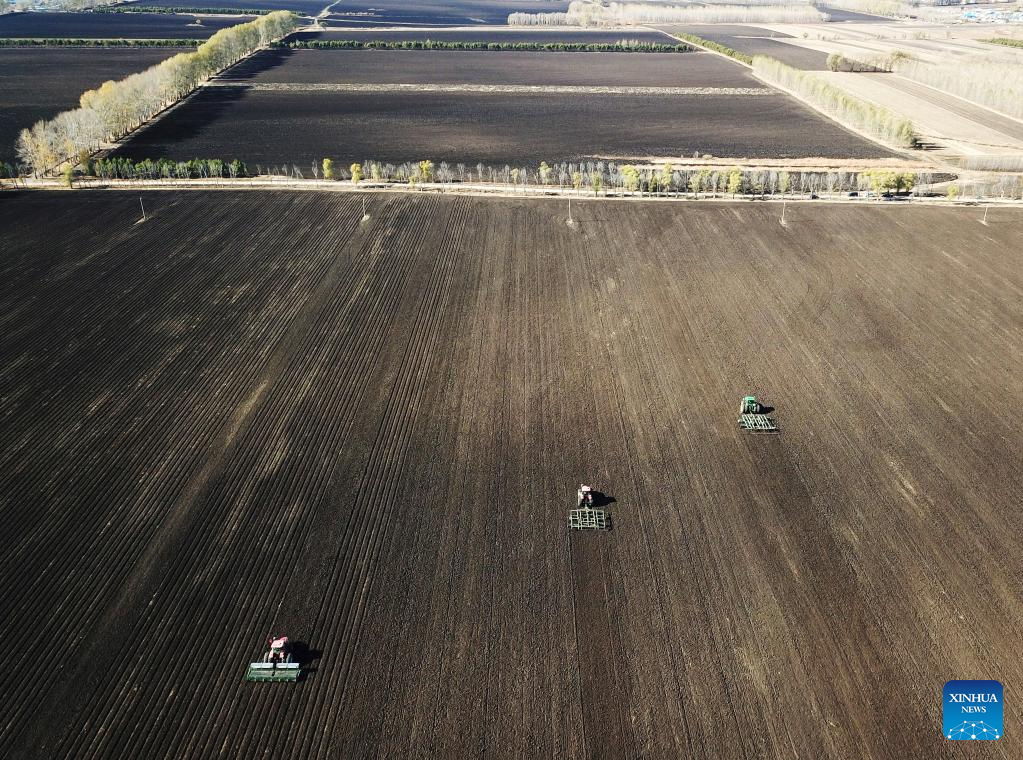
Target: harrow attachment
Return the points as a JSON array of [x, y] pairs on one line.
[[753, 416], [757, 423], [587, 518]]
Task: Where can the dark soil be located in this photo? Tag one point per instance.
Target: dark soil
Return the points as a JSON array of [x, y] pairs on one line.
[[302, 7], [252, 413], [488, 35], [273, 128], [839, 15], [112, 25], [40, 83], [427, 12], [461, 67], [754, 40]]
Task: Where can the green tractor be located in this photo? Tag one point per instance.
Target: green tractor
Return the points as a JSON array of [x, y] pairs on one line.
[[753, 416], [749, 405]]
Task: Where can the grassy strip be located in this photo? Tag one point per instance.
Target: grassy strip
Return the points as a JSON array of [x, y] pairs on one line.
[[1005, 41], [545, 47], [717, 47], [192, 10], [29, 42], [843, 107]]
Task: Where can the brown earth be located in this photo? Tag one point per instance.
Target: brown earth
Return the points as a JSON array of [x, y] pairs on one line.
[[690, 69], [39, 83], [262, 128], [253, 413]]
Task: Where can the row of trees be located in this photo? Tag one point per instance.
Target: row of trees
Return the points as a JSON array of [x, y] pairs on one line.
[[183, 9], [838, 62], [890, 8], [609, 177], [163, 168], [992, 83], [622, 46], [879, 122], [599, 178], [716, 47], [116, 108], [585, 13], [57, 5], [21, 42]]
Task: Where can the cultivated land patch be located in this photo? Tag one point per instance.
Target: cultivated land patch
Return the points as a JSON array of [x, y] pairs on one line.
[[281, 127], [302, 7], [840, 15], [489, 34], [39, 83], [252, 412], [440, 12], [491, 67], [754, 40], [112, 25]]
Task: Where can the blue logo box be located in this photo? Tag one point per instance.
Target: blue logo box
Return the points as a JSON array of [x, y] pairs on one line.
[[972, 710]]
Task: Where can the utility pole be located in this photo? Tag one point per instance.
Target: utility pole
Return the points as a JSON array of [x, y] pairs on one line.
[[571, 221], [783, 222], [984, 220], [143, 210]]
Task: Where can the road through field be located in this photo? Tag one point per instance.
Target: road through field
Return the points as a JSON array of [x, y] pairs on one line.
[[255, 413]]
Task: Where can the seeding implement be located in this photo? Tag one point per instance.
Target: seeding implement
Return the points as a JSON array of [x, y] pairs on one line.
[[276, 664]]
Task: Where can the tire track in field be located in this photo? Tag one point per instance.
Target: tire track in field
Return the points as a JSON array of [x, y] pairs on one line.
[[250, 447], [350, 215], [107, 577], [407, 252], [330, 440], [339, 619], [142, 544], [409, 584]]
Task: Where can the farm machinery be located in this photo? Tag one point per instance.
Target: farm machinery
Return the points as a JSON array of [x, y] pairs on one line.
[[585, 516], [276, 663], [754, 416]]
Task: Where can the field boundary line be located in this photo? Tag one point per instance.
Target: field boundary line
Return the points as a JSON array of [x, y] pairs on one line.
[[529, 89], [496, 191]]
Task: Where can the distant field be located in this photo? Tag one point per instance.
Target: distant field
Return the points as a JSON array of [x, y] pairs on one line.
[[384, 12], [39, 83], [271, 128], [254, 413], [97, 25], [749, 40], [839, 15], [438, 67], [488, 35], [303, 7]]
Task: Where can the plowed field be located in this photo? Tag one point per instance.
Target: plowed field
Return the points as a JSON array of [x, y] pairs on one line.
[[113, 25], [39, 83], [252, 413], [260, 127]]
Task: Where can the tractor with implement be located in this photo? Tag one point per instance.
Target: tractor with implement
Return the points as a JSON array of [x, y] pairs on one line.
[[276, 663], [755, 417]]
